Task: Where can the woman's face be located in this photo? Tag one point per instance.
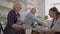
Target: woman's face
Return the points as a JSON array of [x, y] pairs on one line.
[[52, 14], [18, 8]]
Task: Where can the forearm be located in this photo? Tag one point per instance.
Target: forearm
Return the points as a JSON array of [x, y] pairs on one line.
[[53, 31], [16, 26]]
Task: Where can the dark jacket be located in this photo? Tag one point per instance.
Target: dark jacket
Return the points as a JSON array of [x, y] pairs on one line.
[[11, 19]]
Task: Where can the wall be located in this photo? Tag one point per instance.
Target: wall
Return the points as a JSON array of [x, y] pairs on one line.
[[41, 9]]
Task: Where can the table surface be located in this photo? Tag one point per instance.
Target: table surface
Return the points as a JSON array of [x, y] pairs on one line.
[[37, 28]]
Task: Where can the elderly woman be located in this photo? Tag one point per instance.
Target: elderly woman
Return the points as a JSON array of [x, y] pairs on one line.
[[12, 27]]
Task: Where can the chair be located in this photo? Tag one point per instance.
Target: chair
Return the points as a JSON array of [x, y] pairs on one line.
[[1, 28]]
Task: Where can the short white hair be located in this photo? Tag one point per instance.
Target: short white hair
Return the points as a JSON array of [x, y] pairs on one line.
[[17, 4]]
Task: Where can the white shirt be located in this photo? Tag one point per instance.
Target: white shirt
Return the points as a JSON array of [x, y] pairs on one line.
[[57, 25]]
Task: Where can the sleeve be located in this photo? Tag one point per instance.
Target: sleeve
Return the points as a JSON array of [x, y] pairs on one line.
[[35, 19], [10, 18], [29, 18]]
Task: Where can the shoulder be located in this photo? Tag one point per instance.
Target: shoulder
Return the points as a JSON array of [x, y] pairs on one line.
[[58, 20], [28, 14], [11, 12]]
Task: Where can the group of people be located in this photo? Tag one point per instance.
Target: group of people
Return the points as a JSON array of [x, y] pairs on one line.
[[16, 26]]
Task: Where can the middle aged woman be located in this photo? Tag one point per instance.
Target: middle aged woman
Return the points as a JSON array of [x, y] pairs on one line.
[[12, 27]]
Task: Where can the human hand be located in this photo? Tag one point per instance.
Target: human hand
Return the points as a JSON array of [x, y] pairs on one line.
[[49, 31]]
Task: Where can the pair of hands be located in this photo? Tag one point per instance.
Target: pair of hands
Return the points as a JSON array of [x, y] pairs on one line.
[[24, 26]]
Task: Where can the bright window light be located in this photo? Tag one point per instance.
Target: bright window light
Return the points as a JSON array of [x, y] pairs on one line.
[[51, 3]]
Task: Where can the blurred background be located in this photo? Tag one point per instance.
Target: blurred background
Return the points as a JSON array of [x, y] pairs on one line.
[[6, 5], [42, 7]]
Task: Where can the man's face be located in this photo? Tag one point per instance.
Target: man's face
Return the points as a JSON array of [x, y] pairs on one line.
[[33, 10]]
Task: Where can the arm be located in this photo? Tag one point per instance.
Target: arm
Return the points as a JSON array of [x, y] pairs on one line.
[[49, 31], [34, 18], [52, 31]]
